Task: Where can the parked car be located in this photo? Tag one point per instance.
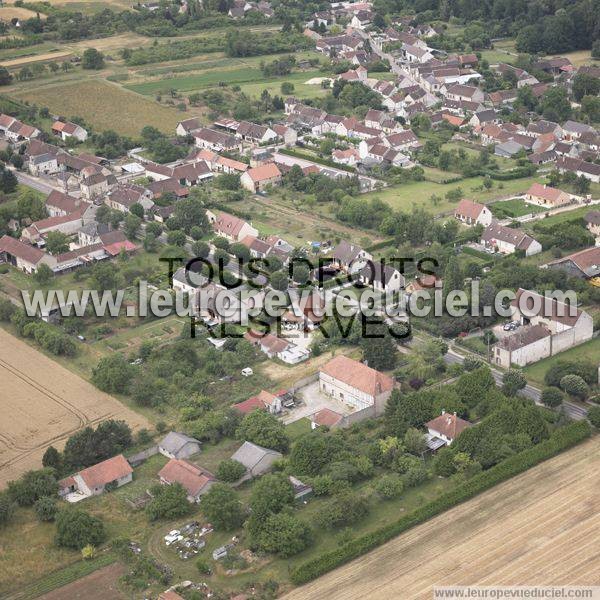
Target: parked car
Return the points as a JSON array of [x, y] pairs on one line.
[[247, 372]]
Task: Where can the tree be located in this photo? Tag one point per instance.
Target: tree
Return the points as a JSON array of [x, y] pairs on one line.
[[471, 363], [132, 226], [389, 486], [513, 381], [585, 369], [222, 508], [279, 280], [32, 486], [168, 502], [555, 104], [270, 494], [453, 277], [43, 275], [287, 87], [585, 85], [414, 441], [552, 397], [345, 509], [104, 276], [112, 374], [240, 251], [176, 238], [137, 209], [75, 529], [230, 470], [46, 509], [92, 59], [57, 242], [190, 212], [52, 458], [575, 386], [5, 76], [378, 347], [264, 429], [590, 106], [200, 249], [593, 417], [7, 508], [282, 534]]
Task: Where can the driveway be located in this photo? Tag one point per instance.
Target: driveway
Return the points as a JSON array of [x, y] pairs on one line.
[[314, 401]]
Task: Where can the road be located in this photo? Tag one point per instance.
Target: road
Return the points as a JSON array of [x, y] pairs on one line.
[[574, 411], [34, 183]]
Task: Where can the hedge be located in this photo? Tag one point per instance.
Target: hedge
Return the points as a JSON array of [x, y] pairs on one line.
[[560, 440]]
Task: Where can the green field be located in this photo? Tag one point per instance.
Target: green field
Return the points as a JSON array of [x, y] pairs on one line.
[[405, 195], [514, 208], [590, 351], [569, 215]]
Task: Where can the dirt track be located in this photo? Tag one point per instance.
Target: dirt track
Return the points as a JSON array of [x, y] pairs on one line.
[[41, 404], [541, 528]]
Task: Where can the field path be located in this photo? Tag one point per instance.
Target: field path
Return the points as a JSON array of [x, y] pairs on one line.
[[42, 404], [540, 528]]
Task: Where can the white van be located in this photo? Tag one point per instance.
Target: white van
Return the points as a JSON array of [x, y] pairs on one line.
[[247, 372]]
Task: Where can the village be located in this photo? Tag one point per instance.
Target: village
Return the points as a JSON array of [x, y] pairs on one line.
[[269, 444]]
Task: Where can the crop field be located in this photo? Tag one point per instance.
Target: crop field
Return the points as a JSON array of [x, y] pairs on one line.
[[15, 12], [42, 404], [540, 528], [105, 106]]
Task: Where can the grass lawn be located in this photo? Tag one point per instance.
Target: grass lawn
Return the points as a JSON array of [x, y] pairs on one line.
[[563, 217], [104, 105], [590, 351], [298, 428], [514, 208], [405, 195]]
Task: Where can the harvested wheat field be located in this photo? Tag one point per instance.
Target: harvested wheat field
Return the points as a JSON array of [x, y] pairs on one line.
[[41, 404], [540, 528]]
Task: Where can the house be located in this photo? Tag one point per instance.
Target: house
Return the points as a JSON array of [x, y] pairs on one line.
[[288, 134], [256, 459], [195, 480], [194, 173], [222, 164], [356, 384], [473, 213], [254, 133], [349, 157], [460, 91], [67, 224], [544, 195], [178, 445], [349, 257], [484, 117], [188, 126], [584, 264], [23, 256], [66, 130], [230, 227], [258, 178], [90, 233], [326, 418], [592, 220], [507, 240], [276, 347], [262, 401], [96, 185], [112, 473], [508, 149], [217, 141], [43, 164], [580, 167], [59, 204], [381, 277], [447, 427], [302, 491], [526, 345], [125, 195], [573, 130], [258, 248], [549, 326]]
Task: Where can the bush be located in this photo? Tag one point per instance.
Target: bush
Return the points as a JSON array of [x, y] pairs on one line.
[[230, 470], [389, 486], [75, 529], [552, 397], [46, 509], [471, 363], [594, 416], [575, 386], [168, 502], [345, 509], [561, 439]]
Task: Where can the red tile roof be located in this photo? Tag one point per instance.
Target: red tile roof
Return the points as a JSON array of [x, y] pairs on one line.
[[448, 424], [191, 477], [108, 470], [358, 375], [20, 250]]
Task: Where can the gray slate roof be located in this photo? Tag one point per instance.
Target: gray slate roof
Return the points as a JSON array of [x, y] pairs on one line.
[[174, 441], [250, 454]]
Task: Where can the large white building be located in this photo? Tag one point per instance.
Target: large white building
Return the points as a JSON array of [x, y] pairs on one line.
[[356, 384]]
